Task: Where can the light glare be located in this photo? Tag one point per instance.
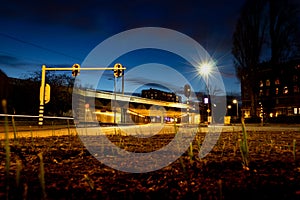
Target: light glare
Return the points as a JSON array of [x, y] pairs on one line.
[[205, 68]]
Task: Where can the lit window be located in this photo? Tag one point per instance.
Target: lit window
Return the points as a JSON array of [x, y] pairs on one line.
[[285, 90], [276, 91], [260, 92], [279, 113], [295, 78], [247, 113], [261, 84], [277, 82], [268, 82], [295, 111], [296, 89]]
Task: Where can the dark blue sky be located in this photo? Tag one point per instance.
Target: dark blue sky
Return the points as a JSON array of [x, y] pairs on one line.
[[61, 33]]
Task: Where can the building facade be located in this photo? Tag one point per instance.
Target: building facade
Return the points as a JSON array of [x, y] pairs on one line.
[[277, 91], [161, 95]]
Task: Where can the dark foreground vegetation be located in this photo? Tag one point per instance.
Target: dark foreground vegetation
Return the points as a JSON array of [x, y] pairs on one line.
[[60, 167]]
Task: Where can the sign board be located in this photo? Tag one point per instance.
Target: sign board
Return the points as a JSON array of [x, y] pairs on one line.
[[206, 100], [46, 94], [227, 120]]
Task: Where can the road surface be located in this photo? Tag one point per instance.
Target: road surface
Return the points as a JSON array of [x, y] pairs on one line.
[[143, 131]]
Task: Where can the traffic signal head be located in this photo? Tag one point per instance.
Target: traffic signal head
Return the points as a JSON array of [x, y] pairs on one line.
[[118, 71], [75, 70]]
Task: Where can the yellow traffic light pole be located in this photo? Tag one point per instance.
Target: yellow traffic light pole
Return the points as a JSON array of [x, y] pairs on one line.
[[42, 96], [43, 84]]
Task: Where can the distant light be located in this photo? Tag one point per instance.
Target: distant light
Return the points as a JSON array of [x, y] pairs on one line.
[[206, 100]]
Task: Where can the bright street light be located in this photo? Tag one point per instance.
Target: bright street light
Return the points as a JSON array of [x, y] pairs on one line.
[[205, 69]]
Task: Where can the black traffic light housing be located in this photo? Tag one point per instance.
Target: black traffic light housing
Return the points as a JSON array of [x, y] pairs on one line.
[[118, 71], [75, 70]]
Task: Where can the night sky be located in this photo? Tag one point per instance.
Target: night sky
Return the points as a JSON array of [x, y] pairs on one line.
[[61, 33]]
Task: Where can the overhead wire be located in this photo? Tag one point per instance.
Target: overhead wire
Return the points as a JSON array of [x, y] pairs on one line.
[[39, 46]]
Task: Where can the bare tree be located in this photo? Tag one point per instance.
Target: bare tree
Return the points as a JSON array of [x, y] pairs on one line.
[[248, 40], [283, 29], [61, 91]]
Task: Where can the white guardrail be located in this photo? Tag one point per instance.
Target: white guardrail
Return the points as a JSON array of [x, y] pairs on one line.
[[35, 116]]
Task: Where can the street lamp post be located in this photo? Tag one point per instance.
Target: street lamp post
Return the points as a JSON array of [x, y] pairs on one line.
[[237, 107], [228, 107], [114, 102], [205, 70], [113, 105]]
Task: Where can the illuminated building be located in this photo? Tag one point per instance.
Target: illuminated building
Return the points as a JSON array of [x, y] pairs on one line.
[[277, 91], [160, 95]]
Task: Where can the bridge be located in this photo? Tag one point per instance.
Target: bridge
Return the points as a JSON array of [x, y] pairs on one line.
[[110, 107]]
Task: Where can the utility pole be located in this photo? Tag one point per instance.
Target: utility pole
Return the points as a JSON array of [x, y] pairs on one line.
[[115, 103], [42, 96]]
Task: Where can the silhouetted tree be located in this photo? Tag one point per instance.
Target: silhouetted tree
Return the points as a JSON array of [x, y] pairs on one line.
[[283, 29], [248, 40], [3, 88], [61, 91], [23, 97]]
